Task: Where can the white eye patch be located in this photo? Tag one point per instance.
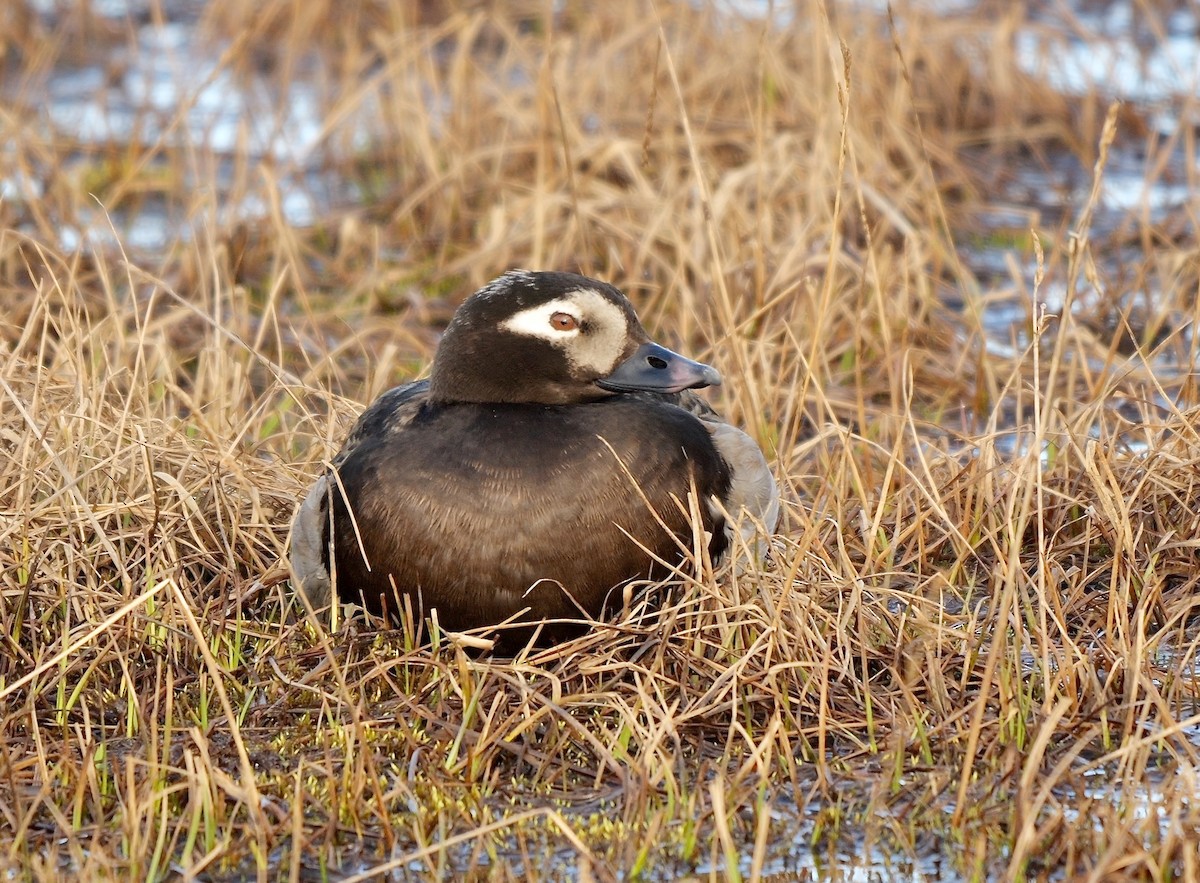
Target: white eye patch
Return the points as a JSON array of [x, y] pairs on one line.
[[535, 321], [595, 352]]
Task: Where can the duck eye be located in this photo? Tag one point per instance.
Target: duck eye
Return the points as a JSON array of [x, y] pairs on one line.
[[563, 322]]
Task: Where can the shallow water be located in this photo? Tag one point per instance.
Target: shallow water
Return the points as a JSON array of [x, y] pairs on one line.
[[167, 85]]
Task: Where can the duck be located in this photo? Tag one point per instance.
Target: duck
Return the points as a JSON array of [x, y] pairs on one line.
[[543, 466]]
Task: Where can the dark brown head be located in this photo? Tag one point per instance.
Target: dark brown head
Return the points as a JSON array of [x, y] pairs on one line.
[[553, 338]]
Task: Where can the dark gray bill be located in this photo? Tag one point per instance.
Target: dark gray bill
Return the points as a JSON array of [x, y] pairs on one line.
[[654, 368]]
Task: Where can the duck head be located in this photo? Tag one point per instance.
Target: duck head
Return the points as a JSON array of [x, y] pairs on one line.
[[553, 338]]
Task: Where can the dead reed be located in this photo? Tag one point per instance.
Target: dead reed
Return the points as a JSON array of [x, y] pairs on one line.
[[964, 646]]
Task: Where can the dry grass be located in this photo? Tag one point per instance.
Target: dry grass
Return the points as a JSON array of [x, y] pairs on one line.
[[957, 650]]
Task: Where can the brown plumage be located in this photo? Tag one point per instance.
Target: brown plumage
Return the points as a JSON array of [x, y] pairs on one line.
[[540, 469]]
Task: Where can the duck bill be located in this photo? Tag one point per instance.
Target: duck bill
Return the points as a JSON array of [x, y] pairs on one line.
[[654, 368]]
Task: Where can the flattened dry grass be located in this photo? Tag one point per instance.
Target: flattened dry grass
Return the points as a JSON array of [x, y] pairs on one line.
[[960, 646]]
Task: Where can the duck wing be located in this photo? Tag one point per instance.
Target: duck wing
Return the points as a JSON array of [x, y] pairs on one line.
[[309, 555], [752, 490]]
